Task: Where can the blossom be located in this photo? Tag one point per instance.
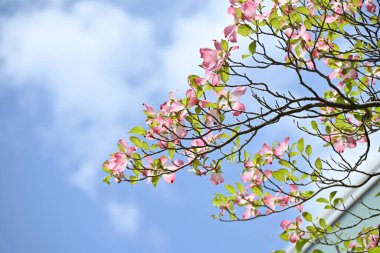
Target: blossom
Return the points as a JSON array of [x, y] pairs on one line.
[[169, 178], [233, 101], [295, 34], [281, 148], [216, 178], [230, 32], [267, 151], [370, 6], [212, 58]]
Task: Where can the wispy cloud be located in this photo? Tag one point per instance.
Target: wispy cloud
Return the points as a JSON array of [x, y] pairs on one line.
[[84, 56], [125, 218]]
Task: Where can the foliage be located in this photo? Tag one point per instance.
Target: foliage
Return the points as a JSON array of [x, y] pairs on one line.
[[332, 47]]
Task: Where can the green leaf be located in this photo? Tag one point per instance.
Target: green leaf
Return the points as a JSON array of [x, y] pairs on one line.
[[303, 10], [107, 179], [314, 125], [224, 45], [300, 145], [136, 141], [307, 194], [240, 187], [224, 74], [309, 150], [280, 175], [257, 190], [322, 222], [322, 200], [230, 189], [318, 164], [374, 250], [244, 56], [300, 243], [307, 216], [244, 30], [317, 251], [332, 195], [138, 130], [252, 47]]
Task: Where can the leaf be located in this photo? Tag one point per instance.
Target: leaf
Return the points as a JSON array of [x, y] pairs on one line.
[[230, 189], [138, 130], [322, 200], [135, 141], [300, 145], [257, 190], [322, 222], [300, 243], [244, 56], [374, 250], [332, 195], [224, 74], [309, 150], [318, 164], [107, 179], [240, 187], [307, 216], [252, 47], [244, 30], [307, 194], [280, 175], [224, 45], [303, 10], [314, 125]]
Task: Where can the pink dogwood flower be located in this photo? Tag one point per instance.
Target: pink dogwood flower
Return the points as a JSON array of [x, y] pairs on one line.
[[230, 32], [370, 6], [281, 148], [216, 178]]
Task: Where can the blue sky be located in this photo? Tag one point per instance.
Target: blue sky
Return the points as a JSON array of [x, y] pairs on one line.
[[73, 77]]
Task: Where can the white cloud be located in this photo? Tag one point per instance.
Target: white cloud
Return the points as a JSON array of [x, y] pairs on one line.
[[85, 178], [83, 56], [192, 32], [125, 218]]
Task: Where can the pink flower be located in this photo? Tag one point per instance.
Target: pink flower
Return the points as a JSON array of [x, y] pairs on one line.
[[169, 178], [269, 201], [248, 9], [352, 245], [230, 32], [117, 164], [281, 148], [247, 176], [233, 101], [125, 148], [231, 11], [371, 7], [283, 200], [247, 213], [216, 178], [293, 188], [212, 58], [267, 151], [293, 238], [285, 224], [323, 44], [295, 34], [341, 143], [190, 94]]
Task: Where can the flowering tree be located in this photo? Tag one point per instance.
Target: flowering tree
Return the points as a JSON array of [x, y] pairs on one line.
[[332, 47]]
